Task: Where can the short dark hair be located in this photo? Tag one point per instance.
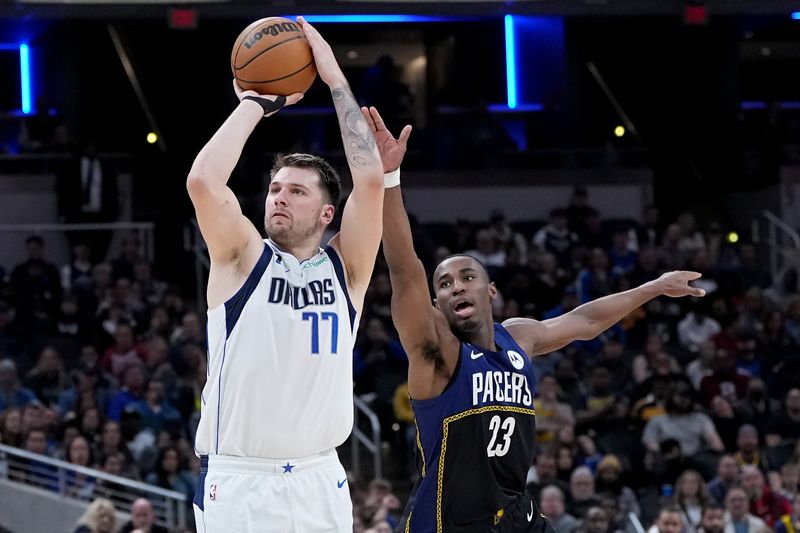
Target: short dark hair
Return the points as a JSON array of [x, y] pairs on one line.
[[328, 177], [714, 506], [34, 239]]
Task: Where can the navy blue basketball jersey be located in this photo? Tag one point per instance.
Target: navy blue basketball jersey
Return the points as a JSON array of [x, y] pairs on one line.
[[475, 441]]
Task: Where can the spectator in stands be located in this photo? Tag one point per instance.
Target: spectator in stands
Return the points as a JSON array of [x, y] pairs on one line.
[[100, 517], [488, 252], [787, 484], [764, 503], [785, 427], [551, 415], [132, 391], [598, 520], [37, 288], [668, 521], [691, 497], [143, 519], [111, 443], [726, 380], [609, 482], [47, 379], [12, 394], [556, 237], [596, 280], [130, 254], [697, 327], [737, 516], [693, 430], [700, 367], [582, 493], [713, 520], [727, 478], [691, 239], [79, 453], [190, 334], [747, 450], [790, 523], [757, 407], [552, 505], [169, 475], [146, 289], [11, 427], [156, 412], [578, 209], [124, 353], [543, 473], [622, 255], [505, 236], [76, 276]]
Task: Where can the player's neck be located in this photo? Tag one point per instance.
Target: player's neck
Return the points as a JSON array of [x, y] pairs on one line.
[[301, 251], [482, 336]]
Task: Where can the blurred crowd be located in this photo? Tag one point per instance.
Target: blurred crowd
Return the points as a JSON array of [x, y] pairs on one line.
[[685, 415]]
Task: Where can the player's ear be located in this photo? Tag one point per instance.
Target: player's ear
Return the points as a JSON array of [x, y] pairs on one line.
[[492, 290], [327, 213]]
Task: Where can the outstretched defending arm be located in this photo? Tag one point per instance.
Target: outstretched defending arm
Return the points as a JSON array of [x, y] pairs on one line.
[[592, 318], [432, 349], [360, 234]]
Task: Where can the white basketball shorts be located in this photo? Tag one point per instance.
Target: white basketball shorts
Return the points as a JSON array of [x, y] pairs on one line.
[[248, 495]]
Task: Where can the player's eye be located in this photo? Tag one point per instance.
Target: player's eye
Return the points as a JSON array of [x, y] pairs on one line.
[[298, 191], [444, 284], [469, 277]]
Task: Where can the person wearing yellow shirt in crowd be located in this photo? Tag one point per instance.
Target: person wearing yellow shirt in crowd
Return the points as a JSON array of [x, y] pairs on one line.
[[790, 523]]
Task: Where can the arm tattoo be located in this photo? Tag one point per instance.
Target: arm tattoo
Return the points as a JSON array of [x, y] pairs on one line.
[[359, 144]]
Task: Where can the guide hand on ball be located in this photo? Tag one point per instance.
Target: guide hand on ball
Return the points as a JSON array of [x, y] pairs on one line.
[[269, 102]]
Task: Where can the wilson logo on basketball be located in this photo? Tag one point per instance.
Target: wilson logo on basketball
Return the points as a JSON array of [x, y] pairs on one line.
[[272, 30]]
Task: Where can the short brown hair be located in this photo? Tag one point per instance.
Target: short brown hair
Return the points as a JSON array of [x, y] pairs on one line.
[[328, 176]]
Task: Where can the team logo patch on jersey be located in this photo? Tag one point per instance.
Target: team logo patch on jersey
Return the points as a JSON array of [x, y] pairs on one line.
[[516, 359], [212, 492]]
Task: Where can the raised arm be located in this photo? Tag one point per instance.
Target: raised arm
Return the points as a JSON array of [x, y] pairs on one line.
[[432, 349], [592, 318], [360, 234], [226, 231]]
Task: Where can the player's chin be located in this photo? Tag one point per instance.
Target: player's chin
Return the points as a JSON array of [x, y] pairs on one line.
[[278, 232]]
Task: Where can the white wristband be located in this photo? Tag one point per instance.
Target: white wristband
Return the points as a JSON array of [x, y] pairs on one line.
[[391, 179]]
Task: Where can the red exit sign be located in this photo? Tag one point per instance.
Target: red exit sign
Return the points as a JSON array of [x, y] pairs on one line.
[[182, 18]]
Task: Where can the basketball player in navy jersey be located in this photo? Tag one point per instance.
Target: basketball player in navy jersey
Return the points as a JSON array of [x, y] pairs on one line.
[[282, 322], [470, 380]]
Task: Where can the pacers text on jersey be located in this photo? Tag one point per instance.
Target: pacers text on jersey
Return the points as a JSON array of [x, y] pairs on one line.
[[497, 386]]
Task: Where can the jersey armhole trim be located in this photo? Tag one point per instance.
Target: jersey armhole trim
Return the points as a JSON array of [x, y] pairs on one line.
[[339, 269], [235, 304]]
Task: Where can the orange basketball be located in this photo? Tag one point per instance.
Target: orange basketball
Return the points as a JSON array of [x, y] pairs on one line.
[[272, 56]]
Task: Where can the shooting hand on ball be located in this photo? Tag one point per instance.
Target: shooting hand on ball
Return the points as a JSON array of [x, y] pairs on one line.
[[270, 103], [327, 66]]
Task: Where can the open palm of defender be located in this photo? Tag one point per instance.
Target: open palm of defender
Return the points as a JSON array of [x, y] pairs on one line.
[[392, 150]]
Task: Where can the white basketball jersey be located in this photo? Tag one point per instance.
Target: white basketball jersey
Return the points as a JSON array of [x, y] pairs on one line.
[[280, 368]]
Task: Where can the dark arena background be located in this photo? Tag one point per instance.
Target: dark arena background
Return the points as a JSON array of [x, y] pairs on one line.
[[577, 147]]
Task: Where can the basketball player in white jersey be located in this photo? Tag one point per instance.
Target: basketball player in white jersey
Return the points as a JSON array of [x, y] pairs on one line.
[[282, 321]]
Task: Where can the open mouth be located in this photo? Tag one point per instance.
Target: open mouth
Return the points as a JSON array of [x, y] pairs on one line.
[[464, 309]]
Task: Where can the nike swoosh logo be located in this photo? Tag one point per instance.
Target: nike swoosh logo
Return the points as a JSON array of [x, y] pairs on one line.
[[476, 355], [341, 483], [530, 515]]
